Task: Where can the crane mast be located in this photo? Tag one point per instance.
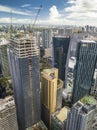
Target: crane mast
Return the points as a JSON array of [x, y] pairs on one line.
[[35, 19], [37, 15]]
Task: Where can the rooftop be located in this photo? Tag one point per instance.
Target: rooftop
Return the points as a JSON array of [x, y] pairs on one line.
[[50, 73], [62, 36], [23, 46], [3, 41], [39, 126], [88, 41], [88, 100], [67, 91], [7, 102], [62, 114]]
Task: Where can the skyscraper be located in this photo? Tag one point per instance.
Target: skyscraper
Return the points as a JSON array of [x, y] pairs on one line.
[[82, 114], [49, 88], [47, 38], [51, 94], [4, 59], [8, 118], [24, 65], [61, 49], [84, 69]]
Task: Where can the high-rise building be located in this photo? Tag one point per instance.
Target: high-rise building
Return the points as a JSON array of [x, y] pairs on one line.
[[61, 49], [8, 118], [84, 69], [24, 65], [49, 88], [4, 59], [82, 114], [47, 38], [61, 32], [51, 93], [68, 31], [38, 38]]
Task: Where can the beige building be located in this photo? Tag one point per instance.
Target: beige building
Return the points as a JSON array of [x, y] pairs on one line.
[[51, 94], [49, 80]]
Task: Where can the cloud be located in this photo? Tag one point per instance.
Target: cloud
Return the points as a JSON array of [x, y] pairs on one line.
[[77, 12], [82, 11], [71, 1], [53, 12], [15, 11], [25, 5], [82, 6]]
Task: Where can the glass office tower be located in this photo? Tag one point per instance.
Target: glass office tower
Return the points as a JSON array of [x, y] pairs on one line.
[[24, 65], [84, 69], [61, 55]]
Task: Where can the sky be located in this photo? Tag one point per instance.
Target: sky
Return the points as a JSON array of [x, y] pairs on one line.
[[53, 12]]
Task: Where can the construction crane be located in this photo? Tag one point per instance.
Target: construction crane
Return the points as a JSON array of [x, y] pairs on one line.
[[35, 19], [37, 15]]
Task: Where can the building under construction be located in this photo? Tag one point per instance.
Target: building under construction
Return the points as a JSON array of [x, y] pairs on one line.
[[24, 65]]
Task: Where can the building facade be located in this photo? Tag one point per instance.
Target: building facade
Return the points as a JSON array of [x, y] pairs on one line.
[[47, 38], [24, 65], [8, 118], [61, 49], [51, 94], [4, 58], [59, 94], [82, 114], [49, 88], [84, 69]]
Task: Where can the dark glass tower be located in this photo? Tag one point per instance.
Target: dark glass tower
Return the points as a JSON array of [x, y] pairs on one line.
[[24, 65], [84, 69], [61, 49]]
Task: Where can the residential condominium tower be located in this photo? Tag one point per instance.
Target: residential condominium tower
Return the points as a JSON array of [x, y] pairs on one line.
[[84, 69], [24, 65]]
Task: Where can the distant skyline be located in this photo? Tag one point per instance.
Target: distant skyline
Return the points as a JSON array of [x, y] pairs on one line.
[[54, 12]]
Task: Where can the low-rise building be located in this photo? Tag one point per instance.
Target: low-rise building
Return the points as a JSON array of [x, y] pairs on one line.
[[58, 120]]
